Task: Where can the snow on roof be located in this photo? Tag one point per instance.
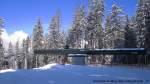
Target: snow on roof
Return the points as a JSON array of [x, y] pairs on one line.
[[7, 70], [122, 49], [77, 54]]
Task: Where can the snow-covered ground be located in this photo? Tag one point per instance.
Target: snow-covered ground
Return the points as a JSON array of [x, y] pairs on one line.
[[75, 74]]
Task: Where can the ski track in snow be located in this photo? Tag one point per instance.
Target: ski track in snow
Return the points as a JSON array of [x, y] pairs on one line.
[[74, 74]]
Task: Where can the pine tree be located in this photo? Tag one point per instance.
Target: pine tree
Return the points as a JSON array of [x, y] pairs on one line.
[[17, 54], [91, 30], [11, 56], [2, 64], [147, 33], [23, 54], [130, 36], [37, 43], [46, 46], [144, 6], [99, 13], [62, 42], [147, 25], [94, 31], [114, 30], [107, 32], [71, 38], [29, 52], [25, 47], [54, 35], [140, 24], [38, 36], [142, 18], [77, 32], [130, 41]]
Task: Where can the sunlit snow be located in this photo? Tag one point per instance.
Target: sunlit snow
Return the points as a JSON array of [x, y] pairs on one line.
[[49, 66], [76, 74], [7, 70]]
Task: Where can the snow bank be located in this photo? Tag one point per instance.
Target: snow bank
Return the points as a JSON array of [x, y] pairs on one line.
[[49, 66], [7, 70]]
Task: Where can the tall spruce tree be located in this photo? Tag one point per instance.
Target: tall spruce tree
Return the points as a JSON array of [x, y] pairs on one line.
[[17, 54], [76, 33], [26, 47], [130, 35], [54, 31], [99, 14], [114, 30], [117, 27], [54, 35], [11, 56], [23, 57], [143, 27], [107, 33], [147, 33], [29, 52], [37, 43], [2, 64], [130, 41], [142, 19], [94, 31]]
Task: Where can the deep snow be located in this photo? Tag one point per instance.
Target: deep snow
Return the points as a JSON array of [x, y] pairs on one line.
[[75, 74]]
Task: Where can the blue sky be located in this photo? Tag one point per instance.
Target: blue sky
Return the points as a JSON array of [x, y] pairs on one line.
[[23, 14]]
